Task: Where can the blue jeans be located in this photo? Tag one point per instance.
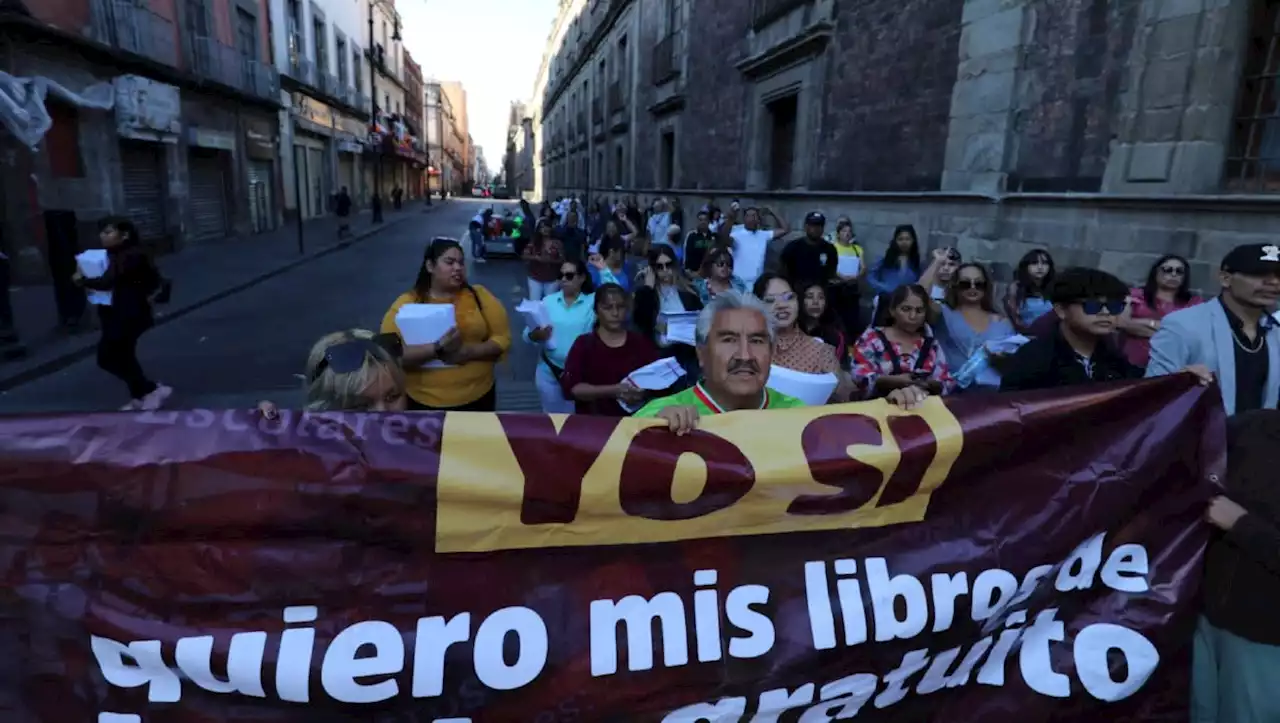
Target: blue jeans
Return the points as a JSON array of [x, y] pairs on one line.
[[1232, 679], [477, 244]]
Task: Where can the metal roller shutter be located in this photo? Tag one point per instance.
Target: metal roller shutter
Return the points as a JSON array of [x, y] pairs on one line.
[[142, 175], [208, 197]]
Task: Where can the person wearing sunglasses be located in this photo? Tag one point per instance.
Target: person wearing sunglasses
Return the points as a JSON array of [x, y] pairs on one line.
[[571, 311], [663, 289], [716, 275], [1088, 304], [352, 371], [966, 321], [1168, 289]]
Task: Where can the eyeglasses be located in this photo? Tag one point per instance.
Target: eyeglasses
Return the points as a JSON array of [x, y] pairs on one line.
[[1114, 308], [1173, 270], [569, 276], [971, 283], [784, 298], [348, 356], [662, 266]]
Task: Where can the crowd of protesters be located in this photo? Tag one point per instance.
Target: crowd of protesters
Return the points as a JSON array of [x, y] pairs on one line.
[[902, 327]]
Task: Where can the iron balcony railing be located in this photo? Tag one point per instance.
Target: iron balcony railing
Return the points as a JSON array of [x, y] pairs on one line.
[[664, 59], [263, 80], [302, 70], [130, 26], [216, 61], [360, 101], [328, 84]]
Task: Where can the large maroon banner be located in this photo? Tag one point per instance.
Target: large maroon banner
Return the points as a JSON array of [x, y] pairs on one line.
[[1004, 558]]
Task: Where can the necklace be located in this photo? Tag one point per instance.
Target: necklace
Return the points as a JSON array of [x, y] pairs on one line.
[[1257, 346]]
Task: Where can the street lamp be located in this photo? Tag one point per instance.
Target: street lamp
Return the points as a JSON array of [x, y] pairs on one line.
[[373, 107]]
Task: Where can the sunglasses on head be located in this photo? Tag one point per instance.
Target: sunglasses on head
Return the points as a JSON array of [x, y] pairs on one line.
[[1092, 307], [348, 356], [971, 283], [1173, 270]]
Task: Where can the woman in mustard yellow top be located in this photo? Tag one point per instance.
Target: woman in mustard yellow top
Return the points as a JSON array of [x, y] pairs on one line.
[[481, 338]]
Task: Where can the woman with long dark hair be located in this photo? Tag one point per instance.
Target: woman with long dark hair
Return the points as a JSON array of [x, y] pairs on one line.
[[663, 289], [716, 275], [596, 370], [901, 262], [897, 351], [818, 318], [469, 351], [1027, 298], [542, 256], [1168, 289], [124, 309]]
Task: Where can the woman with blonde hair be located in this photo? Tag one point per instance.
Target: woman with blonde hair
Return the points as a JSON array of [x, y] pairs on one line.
[[352, 371]]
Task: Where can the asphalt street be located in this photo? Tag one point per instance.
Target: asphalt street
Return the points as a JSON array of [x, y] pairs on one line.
[[253, 345]]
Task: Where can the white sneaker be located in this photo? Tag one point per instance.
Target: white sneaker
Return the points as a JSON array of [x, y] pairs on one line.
[[156, 398]]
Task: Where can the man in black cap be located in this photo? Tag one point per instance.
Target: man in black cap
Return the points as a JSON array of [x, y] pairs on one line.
[[812, 258], [1234, 336]]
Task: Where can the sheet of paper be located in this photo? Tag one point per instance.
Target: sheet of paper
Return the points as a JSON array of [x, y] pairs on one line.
[[535, 317], [848, 265], [425, 324], [681, 327], [812, 389], [657, 376], [92, 264], [1007, 345]]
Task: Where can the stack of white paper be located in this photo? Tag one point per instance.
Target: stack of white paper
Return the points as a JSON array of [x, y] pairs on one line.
[[536, 317], [812, 389], [848, 265], [425, 324], [92, 265], [654, 378], [681, 327], [1007, 345]]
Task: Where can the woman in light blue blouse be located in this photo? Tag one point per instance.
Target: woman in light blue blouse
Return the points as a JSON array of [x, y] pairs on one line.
[[716, 275], [900, 265], [967, 319], [572, 314], [1028, 296]]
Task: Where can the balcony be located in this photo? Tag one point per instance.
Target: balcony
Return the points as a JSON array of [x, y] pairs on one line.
[[263, 80], [664, 60], [327, 83], [214, 61], [617, 100], [764, 12], [122, 24], [301, 69], [360, 101]]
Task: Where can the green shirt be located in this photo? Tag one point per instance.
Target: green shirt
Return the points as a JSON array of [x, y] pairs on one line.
[[698, 397]]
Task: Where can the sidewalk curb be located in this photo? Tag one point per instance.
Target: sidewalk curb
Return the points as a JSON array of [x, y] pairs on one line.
[[90, 343]]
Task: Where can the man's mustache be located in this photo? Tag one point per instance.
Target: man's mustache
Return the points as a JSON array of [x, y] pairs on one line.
[[746, 364]]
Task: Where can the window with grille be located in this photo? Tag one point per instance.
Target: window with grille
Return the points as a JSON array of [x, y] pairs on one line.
[[1253, 160]]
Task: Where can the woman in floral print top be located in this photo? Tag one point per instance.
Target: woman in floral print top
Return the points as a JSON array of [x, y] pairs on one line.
[[897, 352]]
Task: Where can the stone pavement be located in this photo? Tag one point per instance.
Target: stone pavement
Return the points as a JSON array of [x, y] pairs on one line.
[[201, 274]]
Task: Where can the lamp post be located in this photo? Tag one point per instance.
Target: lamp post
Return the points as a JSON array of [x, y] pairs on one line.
[[373, 108]]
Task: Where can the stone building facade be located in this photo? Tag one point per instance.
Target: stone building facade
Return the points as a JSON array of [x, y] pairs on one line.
[[1107, 131], [194, 100]]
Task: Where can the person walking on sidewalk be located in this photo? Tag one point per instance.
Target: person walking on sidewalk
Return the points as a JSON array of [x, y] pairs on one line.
[[342, 207], [124, 310]]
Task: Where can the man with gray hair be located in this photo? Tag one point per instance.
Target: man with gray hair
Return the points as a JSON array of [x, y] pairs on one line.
[[735, 342]]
